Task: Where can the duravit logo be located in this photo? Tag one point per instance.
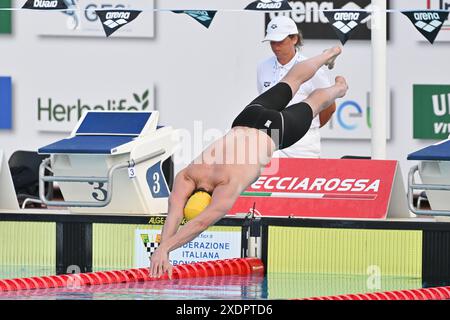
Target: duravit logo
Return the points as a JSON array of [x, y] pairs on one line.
[[45, 5], [52, 110], [269, 4], [5, 103]]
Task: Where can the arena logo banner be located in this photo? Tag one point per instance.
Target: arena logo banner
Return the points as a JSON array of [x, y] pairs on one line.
[[113, 20], [344, 23], [311, 20], [431, 109], [269, 5], [327, 188], [205, 17], [45, 5], [428, 22]]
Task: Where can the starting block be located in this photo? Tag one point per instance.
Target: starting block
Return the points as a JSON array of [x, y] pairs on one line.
[[8, 198], [434, 171], [111, 163]]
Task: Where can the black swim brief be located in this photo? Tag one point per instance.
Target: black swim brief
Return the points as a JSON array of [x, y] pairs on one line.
[[269, 114]]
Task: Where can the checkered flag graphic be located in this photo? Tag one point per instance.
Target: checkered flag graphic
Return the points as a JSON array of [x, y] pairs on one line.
[[151, 244], [151, 247]]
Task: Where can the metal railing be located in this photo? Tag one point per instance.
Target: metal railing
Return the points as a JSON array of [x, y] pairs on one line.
[[433, 187], [108, 180]]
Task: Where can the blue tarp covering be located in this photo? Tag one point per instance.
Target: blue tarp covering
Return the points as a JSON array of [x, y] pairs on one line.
[[104, 123], [86, 144], [439, 151]]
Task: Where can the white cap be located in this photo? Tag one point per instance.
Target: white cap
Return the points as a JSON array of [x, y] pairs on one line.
[[279, 28]]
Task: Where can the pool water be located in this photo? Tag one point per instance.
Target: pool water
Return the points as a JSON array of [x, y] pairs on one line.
[[272, 286]]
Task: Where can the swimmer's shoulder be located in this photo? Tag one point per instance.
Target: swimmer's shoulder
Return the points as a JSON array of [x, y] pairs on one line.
[[186, 173]]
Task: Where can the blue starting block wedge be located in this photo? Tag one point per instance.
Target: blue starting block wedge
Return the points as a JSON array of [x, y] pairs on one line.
[[434, 171], [111, 163], [436, 152]]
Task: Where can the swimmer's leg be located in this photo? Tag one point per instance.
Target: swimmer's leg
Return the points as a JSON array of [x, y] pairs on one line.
[[279, 96], [299, 116], [320, 99], [305, 70]]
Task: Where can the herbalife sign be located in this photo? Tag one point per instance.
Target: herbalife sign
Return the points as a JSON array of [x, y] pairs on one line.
[[60, 112], [431, 111]]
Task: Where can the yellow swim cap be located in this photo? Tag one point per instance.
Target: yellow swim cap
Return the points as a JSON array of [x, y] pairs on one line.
[[196, 204]]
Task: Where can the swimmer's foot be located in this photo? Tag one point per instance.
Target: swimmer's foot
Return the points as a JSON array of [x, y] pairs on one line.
[[341, 86], [333, 54]]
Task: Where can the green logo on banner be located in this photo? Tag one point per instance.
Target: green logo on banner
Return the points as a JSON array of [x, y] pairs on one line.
[[5, 17], [431, 111]]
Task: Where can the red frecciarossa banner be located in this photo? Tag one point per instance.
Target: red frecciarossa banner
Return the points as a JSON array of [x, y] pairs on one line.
[[327, 188]]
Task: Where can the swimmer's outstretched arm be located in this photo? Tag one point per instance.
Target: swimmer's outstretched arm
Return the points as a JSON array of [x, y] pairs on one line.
[[222, 200], [182, 189]]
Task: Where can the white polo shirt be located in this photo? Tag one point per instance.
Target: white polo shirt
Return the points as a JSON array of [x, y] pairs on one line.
[[269, 73]]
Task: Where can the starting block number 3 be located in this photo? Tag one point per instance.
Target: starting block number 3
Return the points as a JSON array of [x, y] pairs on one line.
[[157, 182], [132, 172]]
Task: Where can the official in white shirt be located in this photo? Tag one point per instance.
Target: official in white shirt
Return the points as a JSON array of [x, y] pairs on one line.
[[285, 41]]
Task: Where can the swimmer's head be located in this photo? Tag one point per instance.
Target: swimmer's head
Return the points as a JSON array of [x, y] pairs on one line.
[[197, 202]]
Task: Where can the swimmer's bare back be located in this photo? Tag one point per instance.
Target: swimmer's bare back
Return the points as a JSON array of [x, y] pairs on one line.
[[234, 160]]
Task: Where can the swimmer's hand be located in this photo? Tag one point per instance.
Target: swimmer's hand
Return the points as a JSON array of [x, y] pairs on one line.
[[159, 263]]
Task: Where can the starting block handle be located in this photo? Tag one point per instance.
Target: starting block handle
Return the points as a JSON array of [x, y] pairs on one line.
[[107, 180], [435, 187]]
